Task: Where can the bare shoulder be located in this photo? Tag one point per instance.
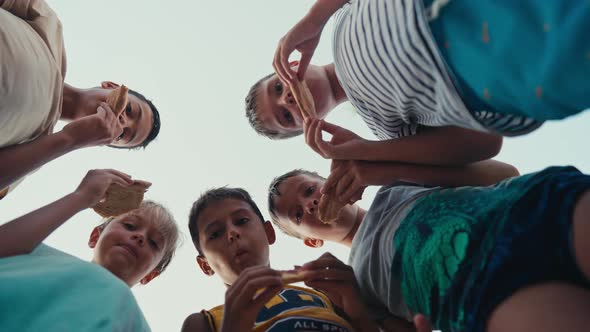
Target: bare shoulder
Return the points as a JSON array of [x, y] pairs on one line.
[[196, 323]]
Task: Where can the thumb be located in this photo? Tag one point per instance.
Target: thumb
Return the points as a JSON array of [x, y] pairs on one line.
[[422, 323], [303, 64]]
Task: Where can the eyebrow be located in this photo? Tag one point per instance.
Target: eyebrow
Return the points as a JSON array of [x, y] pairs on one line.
[[210, 225]]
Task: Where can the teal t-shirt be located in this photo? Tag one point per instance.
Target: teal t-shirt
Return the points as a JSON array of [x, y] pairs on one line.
[[48, 290]]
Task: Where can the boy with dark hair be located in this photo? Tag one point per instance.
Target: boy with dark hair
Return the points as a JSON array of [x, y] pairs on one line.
[[233, 241], [35, 97]]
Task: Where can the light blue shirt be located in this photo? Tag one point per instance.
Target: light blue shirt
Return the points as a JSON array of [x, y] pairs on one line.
[[48, 290]]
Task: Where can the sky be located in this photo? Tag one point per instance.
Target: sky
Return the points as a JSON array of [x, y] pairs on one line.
[[196, 60]]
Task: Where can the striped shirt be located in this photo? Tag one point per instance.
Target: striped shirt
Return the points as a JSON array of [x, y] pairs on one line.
[[392, 72]]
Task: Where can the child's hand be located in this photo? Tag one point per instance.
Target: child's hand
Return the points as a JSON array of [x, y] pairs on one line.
[[349, 178], [243, 300], [303, 37], [331, 276], [422, 323], [100, 128], [344, 144], [94, 185]]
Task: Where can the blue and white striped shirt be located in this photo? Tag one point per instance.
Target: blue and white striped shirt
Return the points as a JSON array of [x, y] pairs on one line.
[[392, 72]]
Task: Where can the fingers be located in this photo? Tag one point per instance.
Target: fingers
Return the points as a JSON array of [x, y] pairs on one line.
[[324, 147], [422, 323], [281, 62], [250, 281], [346, 181], [303, 64], [124, 176], [333, 179], [357, 196], [310, 128]]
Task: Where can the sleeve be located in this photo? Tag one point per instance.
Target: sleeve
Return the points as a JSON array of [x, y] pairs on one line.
[[25, 9]]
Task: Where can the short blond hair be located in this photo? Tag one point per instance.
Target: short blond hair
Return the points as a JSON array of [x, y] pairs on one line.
[[166, 225]]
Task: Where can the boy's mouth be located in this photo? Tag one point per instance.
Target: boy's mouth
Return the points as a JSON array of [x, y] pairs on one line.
[[129, 249], [240, 253]]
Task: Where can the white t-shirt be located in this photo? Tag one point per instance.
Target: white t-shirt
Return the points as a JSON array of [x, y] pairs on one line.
[[32, 70], [391, 70]]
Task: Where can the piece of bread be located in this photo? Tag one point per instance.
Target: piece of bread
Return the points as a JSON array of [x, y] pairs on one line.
[[329, 208], [119, 199], [117, 99], [304, 99], [290, 277]]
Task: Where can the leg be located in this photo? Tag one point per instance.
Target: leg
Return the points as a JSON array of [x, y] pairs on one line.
[[545, 307], [581, 233]]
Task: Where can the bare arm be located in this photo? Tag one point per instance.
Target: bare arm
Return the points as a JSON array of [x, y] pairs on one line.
[[195, 323], [436, 146], [96, 129], [431, 146], [350, 178], [22, 235], [18, 160]]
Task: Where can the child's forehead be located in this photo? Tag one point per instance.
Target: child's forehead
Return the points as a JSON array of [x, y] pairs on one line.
[[222, 210]]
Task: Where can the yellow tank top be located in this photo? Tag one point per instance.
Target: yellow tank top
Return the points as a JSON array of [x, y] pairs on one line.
[[292, 309]]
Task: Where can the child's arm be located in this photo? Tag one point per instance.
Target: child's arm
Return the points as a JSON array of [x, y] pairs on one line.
[[304, 37], [336, 279], [351, 177], [16, 161], [432, 146], [24, 234]]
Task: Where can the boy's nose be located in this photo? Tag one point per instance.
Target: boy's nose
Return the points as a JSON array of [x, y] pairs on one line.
[[138, 238], [233, 235], [312, 206], [288, 99]]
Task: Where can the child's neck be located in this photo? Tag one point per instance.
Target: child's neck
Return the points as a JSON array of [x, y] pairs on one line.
[[338, 93], [359, 216]]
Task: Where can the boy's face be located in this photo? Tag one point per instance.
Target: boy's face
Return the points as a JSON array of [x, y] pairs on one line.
[[277, 108], [136, 120], [130, 246], [232, 238], [297, 208]]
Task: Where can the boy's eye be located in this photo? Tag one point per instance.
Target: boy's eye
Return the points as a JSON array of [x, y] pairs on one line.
[[154, 244], [279, 87], [128, 109], [242, 221], [288, 117], [214, 235], [128, 226], [309, 191]]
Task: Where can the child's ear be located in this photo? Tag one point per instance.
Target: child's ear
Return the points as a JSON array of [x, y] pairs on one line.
[[313, 243], [94, 237], [204, 265], [108, 85], [149, 277], [270, 232]]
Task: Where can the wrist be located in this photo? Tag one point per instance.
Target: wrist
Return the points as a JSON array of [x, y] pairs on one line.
[[79, 200]]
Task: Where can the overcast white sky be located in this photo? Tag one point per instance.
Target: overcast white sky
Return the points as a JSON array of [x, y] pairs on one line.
[[197, 60]]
